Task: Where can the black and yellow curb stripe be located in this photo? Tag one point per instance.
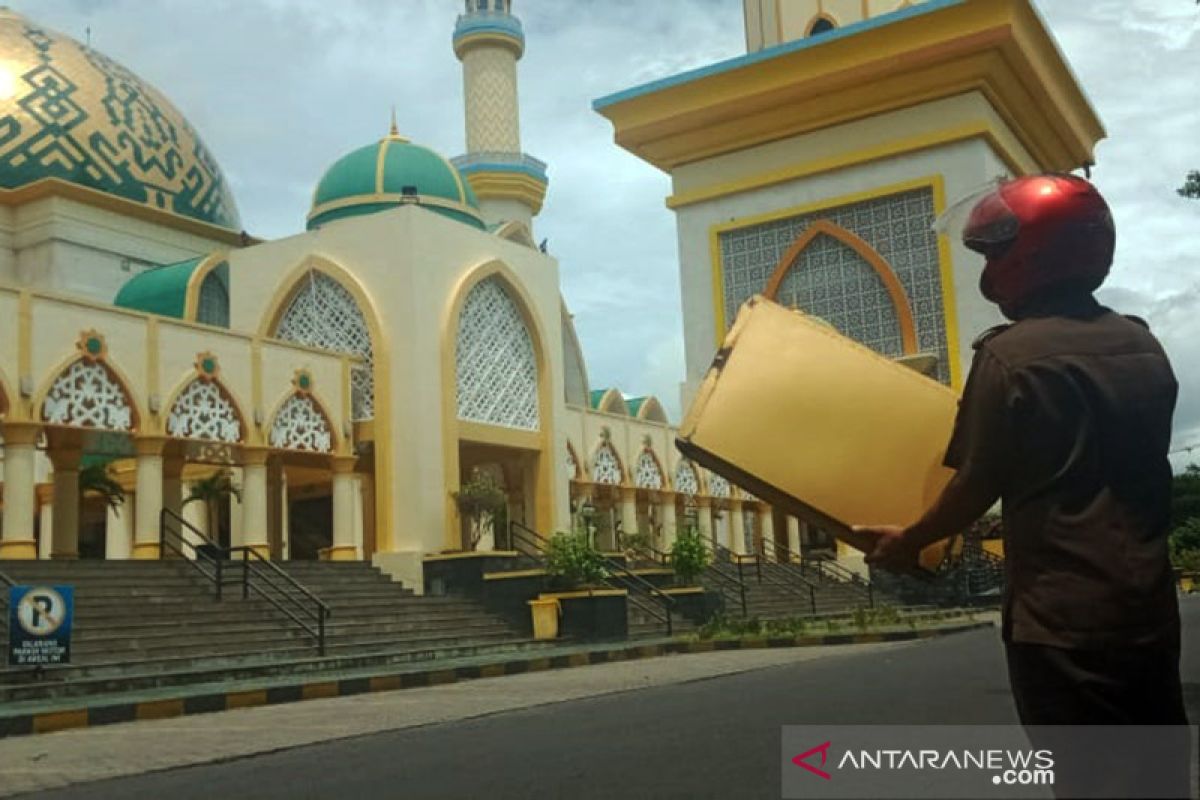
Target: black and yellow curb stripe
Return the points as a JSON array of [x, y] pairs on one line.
[[108, 714]]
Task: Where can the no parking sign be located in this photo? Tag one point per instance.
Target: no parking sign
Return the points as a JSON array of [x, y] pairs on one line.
[[39, 625]]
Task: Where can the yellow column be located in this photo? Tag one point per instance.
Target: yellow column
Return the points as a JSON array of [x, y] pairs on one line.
[[118, 530], [16, 537], [629, 520], [45, 514], [147, 543], [64, 537], [172, 499], [667, 512], [766, 528], [343, 509], [793, 528], [254, 500], [704, 520], [737, 528], [195, 514]]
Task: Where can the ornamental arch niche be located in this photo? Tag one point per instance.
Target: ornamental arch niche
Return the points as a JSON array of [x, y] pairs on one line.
[[314, 283], [203, 408], [324, 307], [300, 422], [89, 391], [497, 407], [835, 275]]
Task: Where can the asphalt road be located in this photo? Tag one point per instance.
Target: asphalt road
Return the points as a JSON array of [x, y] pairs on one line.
[[714, 738]]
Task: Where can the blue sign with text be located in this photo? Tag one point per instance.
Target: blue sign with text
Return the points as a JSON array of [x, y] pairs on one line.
[[39, 625]]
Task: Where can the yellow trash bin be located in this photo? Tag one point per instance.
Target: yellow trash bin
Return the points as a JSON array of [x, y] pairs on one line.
[[545, 617], [1187, 582]]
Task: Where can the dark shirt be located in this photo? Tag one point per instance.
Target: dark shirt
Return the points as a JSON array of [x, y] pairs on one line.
[[1067, 415]]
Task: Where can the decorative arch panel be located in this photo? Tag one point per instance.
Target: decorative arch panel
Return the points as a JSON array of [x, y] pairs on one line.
[[88, 393], [647, 474], [686, 480], [204, 409], [301, 423], [495, 362], [606, 466], [323, 313]]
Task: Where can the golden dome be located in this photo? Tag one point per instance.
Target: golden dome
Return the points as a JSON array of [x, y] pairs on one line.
[[68, 112]]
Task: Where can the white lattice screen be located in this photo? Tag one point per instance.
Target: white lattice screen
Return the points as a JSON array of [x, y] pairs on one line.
[[647, 475], [202, 411], [497, 376], [606, 468], [300, 425], [324, 314], [86, 395]]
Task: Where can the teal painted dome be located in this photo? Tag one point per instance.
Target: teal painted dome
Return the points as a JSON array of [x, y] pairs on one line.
[[69, 113], [390, 173]]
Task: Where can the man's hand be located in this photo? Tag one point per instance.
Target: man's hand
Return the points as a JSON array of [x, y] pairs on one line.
[[893, 550]]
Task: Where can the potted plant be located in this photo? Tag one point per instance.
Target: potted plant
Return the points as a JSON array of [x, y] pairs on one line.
[[481, 502], [590, 609], [573, 562], [689, 557]]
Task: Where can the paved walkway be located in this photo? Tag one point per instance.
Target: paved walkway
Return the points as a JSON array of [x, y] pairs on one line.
[[32, 763]]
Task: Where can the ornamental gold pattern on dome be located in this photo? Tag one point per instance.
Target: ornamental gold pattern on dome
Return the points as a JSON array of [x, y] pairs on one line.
[[69, 112]]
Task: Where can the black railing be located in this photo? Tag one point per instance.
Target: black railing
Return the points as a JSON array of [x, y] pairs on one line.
[[288, 596], [206, 557], [259, 575], [726, 576], [793, 584], [830, 569], [825, 568], [651, 600], [5, 583]]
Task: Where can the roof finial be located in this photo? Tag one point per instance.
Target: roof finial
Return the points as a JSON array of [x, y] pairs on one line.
[[394, 131]]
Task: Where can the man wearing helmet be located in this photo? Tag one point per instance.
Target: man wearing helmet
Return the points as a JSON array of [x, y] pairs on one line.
[[1066, 418]]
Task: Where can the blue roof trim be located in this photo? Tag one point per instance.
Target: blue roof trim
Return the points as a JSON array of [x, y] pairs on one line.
[[775, 52], [532, 172], [491, 23]]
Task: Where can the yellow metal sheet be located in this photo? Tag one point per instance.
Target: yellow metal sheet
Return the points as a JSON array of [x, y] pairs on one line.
[[817, 424]]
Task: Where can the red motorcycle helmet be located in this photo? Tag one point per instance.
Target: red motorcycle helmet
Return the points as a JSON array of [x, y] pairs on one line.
[[1040, 232]]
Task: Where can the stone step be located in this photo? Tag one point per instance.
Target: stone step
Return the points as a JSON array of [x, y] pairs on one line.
[[100, 679]]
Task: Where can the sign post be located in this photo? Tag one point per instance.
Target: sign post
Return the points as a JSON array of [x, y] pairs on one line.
[[39, 625]]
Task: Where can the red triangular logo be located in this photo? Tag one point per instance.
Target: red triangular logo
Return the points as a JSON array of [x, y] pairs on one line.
[[802, 760]]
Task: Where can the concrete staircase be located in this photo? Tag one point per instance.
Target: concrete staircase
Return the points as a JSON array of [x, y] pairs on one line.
[[780, 591], [148, 624]]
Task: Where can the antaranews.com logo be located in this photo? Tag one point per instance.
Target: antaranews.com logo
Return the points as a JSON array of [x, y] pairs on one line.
[[1006, 767], [882, 762]]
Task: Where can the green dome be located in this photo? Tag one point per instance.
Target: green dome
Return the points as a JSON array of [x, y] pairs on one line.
[[387, 174]]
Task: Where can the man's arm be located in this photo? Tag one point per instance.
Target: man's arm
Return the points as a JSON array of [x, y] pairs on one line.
[[977, 450]]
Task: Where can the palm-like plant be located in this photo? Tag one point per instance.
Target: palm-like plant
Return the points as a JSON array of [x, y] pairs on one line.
[[97, 479], [212, 491]]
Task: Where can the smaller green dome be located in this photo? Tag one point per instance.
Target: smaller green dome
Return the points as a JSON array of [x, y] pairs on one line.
[[390, 173]]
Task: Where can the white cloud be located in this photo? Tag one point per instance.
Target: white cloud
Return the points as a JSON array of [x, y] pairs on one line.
[[280, 88]]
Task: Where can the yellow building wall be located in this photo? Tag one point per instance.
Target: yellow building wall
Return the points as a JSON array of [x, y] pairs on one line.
[[772, 22]]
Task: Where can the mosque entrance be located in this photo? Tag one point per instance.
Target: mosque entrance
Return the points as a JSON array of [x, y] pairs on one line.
[[512, 471]]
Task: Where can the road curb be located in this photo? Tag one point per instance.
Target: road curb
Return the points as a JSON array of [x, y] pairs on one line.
[[98, 713]]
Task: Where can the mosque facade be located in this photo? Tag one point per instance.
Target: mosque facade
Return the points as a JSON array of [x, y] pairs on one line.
[[353, 376]]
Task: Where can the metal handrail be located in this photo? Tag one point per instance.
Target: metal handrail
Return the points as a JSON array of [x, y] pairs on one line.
[[795, 565], [253, 563], [807, 590], [176, 541], [631, 582], [716, 568], [217, 556]]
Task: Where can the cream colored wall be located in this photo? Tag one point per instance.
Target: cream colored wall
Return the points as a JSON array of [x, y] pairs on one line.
[[772, 22], [153, 355], [66, 246], [410, 262], [963, 167]]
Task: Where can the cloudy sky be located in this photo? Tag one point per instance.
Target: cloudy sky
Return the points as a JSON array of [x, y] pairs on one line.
[[281, 88]]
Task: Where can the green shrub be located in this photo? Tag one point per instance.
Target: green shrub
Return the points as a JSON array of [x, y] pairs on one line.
[[571, 558], [481, 502], [689, 556], [636, 545]]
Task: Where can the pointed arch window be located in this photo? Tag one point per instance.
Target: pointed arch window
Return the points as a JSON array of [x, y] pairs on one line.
[[646, 474], [606, 467], [686, 481], [324, 314], [204, 411], [497, 371], [300, 425], [87, 393]]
